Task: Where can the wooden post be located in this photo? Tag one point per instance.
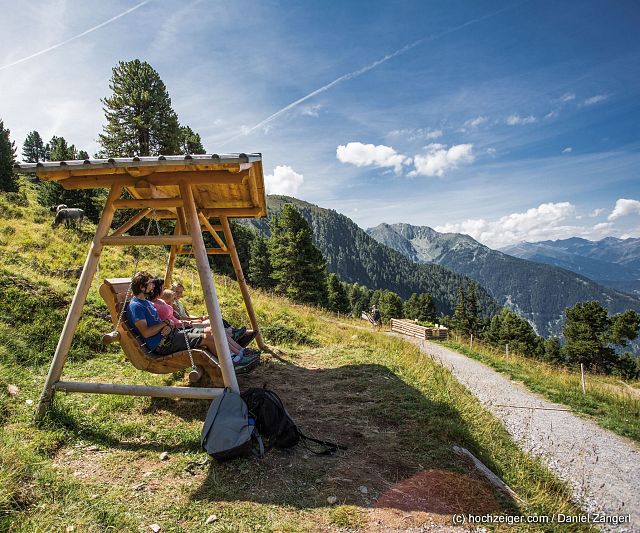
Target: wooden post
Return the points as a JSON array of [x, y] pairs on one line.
[[506, 349], [584, 388], [80, 296], [237, 267], [209, 290], [471, 341], [172, 257]]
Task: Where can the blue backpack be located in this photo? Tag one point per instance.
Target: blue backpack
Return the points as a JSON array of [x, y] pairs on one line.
[[228, 431]]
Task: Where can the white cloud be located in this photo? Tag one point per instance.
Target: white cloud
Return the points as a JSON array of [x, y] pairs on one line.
[[439, 159], [625, 207], [413, 134], [491, 151], [475, 122], [517, 120], [284, 180], [567, 150], [596, 212], [595, 99], [552, 114], [311, 110], [366, 155], [567, 97], [535, 224], [603, 226]]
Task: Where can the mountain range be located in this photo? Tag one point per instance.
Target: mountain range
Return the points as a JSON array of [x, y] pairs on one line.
[[539, 292], [358, 258], [611, 262]]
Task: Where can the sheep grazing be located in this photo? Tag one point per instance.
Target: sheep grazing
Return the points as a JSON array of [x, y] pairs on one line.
[[68, 215]]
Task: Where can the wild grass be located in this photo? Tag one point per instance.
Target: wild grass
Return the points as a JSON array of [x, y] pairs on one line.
[[613, 403], [94, 464]]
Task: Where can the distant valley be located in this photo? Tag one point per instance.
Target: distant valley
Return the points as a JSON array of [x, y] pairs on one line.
[[612, 262], [537, 291]]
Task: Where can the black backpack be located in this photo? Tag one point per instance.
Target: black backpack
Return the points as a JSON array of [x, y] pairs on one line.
[[275, 425], [228, 432]]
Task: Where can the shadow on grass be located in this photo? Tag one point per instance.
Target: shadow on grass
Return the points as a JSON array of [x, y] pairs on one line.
[[392, 432]]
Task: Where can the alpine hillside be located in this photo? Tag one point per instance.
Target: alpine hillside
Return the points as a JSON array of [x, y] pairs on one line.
[[358, 258], [538, 292], [611, 262]]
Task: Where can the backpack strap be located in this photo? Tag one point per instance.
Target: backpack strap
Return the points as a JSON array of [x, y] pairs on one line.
[[329, 447]]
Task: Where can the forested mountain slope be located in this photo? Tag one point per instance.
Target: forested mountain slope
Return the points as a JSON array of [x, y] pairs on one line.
[[537, 291], [356, 257], [611, 262]]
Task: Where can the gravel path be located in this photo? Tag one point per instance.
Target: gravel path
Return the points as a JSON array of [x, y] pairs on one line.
[[602, 468]]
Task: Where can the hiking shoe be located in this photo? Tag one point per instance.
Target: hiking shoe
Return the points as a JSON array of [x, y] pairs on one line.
[[237, 333], [245, 363]]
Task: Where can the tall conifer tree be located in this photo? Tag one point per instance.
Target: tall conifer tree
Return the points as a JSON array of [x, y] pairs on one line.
[[337, 300], [299, 270], [190, 142], [140, 119], [260, 270], [8, 180], [33, 149]]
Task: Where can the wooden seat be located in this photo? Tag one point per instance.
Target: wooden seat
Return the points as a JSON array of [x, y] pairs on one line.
[[113, 292]]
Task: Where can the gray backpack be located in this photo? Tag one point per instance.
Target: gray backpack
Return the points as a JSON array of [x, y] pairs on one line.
[[228, 431]]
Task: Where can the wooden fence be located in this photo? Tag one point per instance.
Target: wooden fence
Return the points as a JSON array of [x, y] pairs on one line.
[[409, 327]]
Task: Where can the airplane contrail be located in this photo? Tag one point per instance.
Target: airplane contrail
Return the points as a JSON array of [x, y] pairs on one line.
[[58, 45], [362, 70]]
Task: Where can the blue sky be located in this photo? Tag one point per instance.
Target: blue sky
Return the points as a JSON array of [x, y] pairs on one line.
[[509, 121]]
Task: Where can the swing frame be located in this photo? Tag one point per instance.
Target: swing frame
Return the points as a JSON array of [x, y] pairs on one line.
[[190, 189]]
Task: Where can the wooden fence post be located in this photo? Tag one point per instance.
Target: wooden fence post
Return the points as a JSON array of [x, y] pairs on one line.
[[506, 349], [584, 388], [471, 341]]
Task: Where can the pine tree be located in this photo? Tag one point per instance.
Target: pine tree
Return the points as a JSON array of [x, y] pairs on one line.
[[473, 314], [260, 270], [390, 305], [82, 155], [337, 300], [190, 142], [8, 181], [140, 119], [33, 149], [460, 320], [411, 307], [426, 308], [299, 270], [590, 335]]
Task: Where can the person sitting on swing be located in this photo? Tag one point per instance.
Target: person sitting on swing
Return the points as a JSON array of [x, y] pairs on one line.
[[241, 335], [163, 299], [161, 336]]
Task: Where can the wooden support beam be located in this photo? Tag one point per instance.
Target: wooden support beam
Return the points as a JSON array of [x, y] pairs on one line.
[[153, 240], [232, 212], [237, 267], [213, 232], [210, 251], [158, 179], [171, 261], [131, 222], [193, 393], [140, 203], [80, 296], [209, 290]]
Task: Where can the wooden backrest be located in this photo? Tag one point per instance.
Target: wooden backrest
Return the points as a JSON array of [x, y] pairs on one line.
[[113, 292]]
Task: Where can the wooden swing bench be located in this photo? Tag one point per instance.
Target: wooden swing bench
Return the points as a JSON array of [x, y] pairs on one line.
[[192, 190], [113, 292]]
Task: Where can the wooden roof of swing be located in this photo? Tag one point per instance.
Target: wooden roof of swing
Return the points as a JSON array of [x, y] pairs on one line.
[[229, 185]]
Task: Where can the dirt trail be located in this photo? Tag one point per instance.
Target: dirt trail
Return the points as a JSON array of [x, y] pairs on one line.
[[602, 468]]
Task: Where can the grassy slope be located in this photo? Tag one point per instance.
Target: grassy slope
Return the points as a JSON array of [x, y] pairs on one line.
[[95, 465], [613, 404]]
